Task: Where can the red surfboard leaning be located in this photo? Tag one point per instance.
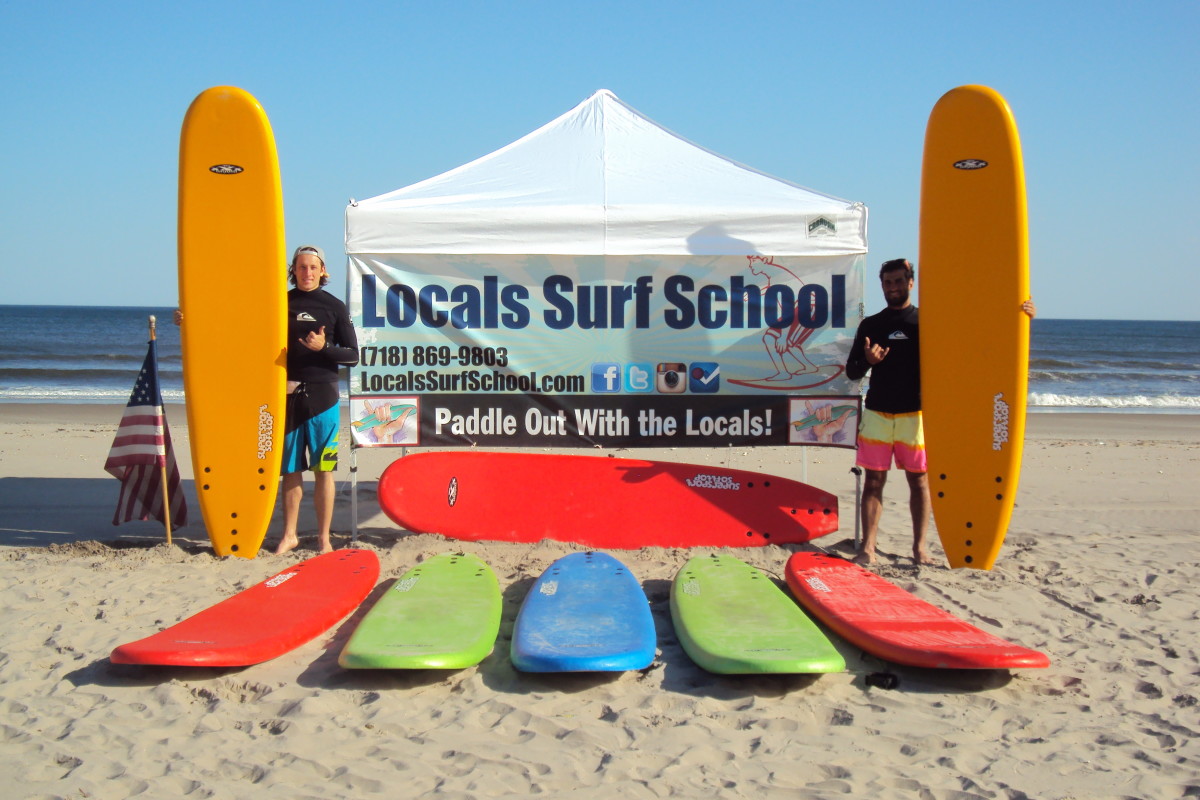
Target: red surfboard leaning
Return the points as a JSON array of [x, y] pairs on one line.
[[886, 621], [615, 503], [267, 620]]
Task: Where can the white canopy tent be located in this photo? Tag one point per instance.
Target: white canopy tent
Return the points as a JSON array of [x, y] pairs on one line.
[[603, 179]]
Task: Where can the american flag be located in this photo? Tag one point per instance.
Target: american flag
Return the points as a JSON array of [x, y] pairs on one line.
[[140, 450]]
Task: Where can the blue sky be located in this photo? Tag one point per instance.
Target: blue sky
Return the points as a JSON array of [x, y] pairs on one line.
[[368, 97]]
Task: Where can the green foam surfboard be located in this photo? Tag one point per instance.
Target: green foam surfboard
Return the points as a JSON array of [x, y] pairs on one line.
[[732, 619], [441, 614]]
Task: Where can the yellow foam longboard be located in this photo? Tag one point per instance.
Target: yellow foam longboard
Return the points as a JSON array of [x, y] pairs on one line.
[[974, 276], [233, 293]]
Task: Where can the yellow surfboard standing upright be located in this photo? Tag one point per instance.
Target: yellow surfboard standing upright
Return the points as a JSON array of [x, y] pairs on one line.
[[974, 276], [233, 294]]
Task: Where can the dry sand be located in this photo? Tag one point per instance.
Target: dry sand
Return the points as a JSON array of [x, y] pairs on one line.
[[1101, 570]]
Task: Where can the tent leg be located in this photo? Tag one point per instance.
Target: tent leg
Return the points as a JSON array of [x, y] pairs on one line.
[[857, 505], [353, 495]]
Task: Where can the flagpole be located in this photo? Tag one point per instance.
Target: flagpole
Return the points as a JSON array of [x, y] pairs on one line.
[[165, 493]]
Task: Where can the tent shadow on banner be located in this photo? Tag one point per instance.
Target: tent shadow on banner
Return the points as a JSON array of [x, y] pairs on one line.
[[714, 240]]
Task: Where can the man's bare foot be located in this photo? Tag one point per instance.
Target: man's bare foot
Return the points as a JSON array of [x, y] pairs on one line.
[[324, 545], [923, 560], [864, 558], [287, 543]]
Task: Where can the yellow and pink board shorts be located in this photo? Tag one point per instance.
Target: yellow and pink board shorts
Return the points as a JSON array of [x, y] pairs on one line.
[[882, 437]]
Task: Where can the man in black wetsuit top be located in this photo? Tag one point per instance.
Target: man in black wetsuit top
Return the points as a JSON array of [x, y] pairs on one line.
[[887, 346], [320, 340]]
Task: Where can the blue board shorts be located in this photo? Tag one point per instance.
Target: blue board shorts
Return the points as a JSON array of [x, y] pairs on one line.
[[882, 437], [310, 439]]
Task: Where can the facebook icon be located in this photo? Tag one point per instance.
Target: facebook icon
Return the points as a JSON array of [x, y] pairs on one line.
[[606, 377]]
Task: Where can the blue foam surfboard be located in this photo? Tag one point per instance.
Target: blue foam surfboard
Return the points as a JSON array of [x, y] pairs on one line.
[[587, 612]]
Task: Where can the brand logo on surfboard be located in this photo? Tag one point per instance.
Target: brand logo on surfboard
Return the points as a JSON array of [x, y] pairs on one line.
[[713, 482], [452, 492], [226, 169], [280, 579], [999, 422], [818, 584], [970, 163], [266, 427]]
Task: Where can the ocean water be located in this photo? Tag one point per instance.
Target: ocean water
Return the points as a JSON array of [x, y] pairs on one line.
[[85, 354], [91, 354], [1121, 365]]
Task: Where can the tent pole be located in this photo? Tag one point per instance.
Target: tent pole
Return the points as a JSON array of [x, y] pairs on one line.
[[353, 492], [857, 504]]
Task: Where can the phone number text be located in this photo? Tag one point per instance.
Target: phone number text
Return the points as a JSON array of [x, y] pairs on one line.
[[433, 356]]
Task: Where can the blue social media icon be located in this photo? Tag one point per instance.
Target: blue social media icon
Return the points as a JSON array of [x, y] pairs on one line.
[[639, 378], [606, 377], [704, 377]]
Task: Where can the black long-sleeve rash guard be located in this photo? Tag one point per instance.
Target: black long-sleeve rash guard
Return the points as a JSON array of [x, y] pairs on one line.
[[896, 381], [308, 312]]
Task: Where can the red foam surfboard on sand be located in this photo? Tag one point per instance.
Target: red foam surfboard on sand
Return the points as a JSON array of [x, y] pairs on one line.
[[267, 620], [599, 502], [886, 621]]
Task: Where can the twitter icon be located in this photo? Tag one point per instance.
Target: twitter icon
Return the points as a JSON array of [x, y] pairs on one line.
[[639, 378]]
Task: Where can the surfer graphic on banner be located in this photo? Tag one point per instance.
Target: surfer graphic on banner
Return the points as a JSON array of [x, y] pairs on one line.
[[784, 347]]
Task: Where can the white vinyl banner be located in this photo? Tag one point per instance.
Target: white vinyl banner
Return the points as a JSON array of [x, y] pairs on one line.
[[650, 351]]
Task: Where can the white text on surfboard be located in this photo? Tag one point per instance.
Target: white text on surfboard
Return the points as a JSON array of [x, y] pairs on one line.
[[818, 584], [999, 422], [714, 482], [280, 579], [266, 430]]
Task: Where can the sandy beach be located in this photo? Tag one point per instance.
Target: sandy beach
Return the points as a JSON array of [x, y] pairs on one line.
[[1100, 570]]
